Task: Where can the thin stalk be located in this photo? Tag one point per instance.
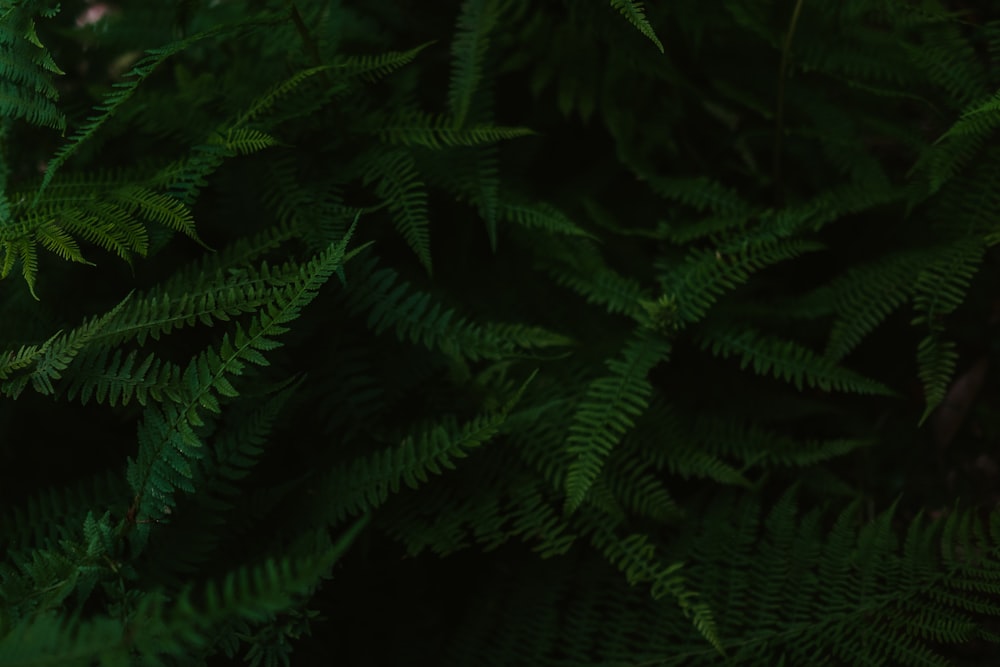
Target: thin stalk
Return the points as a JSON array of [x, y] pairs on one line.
[[310, 44], [779, 113]]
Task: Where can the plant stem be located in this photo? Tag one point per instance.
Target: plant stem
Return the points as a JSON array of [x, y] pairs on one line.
[[779, 114]]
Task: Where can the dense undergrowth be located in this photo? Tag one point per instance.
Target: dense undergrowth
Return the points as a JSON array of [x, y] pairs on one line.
[[499, 333]]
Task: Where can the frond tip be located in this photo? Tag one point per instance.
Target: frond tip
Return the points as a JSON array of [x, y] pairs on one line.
[[636, 15]]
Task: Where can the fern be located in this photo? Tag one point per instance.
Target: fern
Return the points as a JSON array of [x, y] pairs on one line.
[[866, 295], [608, 411], [475, 22], [162, 627], [366, 484], [398, 184], [716, 294], [789, 361], [114, 100], [169, 446], [636, 15], [373, 68], [706, 275], [939, 290], [26, 68], [416, 129]]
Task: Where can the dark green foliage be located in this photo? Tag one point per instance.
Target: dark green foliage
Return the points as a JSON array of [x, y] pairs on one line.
[[498, 333]]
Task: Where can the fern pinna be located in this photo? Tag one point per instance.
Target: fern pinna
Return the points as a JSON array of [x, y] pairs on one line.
[[498, 333]]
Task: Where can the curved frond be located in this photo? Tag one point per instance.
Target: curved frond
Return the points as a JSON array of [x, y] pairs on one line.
[[608, 411], [636, 15]]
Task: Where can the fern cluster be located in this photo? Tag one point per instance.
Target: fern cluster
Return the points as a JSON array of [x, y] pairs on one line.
[[497, 332]]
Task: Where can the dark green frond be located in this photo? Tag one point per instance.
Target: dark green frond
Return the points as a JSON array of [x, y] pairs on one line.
[[397, 183], [788, 361], [169, 444], [366, 483], [468, 49], [372, 68], [26, 68], [435, 131], [635, 14], [125, 89], [608, 411]]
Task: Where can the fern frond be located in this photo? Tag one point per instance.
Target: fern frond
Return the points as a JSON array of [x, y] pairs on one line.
[[703, 194], [266, 102], [184, 625], [476, 21], [192, 621], [788, 361], [436, 131], [184, 178], [446, 523], [966, 137], [215, 297], [114, 100], [685, 452], [156, 207], [53, 515], [640, 491], [237, 448], [608, 411], [541, 216], [244, 140], [636, 557], [52, 358], [26, 89], [112, 220], [805, 589], [419, 318], [169, 446], [397, 183], [705, 275], [119, 380], [48, 639], [365, 484], [373, 68], [866, 294], [937, 361], [578, 265], [635, 14], [756, 445], [942, 284]]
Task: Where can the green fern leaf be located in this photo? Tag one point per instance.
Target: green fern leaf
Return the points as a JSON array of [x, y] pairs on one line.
[[937, 361], [636, 15], [476, 21], [365, 484], [705, 275], [866, 294], [124, 90], [608, 411], [169, 445], [788, 361], [397, 183], [266, 102], [373, 68], [541, 216], [412, 128], [26, 89]]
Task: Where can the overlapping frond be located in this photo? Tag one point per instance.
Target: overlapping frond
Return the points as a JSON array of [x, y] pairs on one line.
[[608, 411], [169, 444], [788, 361]]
